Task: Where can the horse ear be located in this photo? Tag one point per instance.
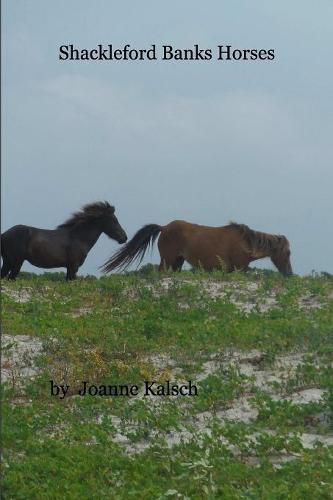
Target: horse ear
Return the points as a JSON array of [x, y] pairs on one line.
[[109, 207], [284, 240]]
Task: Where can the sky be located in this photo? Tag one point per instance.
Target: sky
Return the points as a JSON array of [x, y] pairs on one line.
[[203, 141]]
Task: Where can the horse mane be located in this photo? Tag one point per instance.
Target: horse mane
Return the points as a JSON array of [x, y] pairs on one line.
[[258, 240], [88, 213]]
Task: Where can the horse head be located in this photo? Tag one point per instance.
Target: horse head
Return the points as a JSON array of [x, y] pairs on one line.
[[111, 226], [281, 256]]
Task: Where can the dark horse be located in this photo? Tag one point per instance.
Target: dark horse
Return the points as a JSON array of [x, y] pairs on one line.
[[231, 247], [66, 246]]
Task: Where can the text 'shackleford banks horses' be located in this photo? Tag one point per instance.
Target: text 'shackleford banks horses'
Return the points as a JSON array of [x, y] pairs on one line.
[[66, 246], [230, 247]]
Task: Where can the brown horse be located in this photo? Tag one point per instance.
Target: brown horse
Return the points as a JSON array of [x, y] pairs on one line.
[[230, 247]]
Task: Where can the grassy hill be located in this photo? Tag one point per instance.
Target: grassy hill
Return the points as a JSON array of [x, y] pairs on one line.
[[258, 347]]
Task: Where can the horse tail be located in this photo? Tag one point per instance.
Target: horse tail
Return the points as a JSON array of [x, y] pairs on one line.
[[134, 249]]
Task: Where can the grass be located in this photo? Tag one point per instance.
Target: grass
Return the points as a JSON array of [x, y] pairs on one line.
[[125, 329]]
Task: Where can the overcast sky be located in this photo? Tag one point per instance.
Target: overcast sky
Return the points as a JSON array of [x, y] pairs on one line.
[[207, 141]]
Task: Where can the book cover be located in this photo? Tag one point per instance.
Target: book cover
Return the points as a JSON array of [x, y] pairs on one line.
[[166, 245]]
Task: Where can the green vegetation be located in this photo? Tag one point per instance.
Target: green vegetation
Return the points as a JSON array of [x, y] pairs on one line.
[[258, 347]]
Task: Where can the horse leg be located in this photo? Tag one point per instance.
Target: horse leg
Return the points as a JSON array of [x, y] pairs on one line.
[[163, 266], [170, 252], [71, 272], [5, 268], [175, 264], [178, 263], [16, 268]]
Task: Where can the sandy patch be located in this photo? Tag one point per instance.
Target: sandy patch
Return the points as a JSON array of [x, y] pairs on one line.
[[81, 311], [251, 364], [22, 295], [309, 301], [19, 353]]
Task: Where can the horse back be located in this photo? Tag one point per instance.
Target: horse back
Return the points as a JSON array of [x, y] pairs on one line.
[[185, 238], [187, 230]]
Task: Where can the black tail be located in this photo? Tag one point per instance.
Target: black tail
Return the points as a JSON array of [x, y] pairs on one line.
[[135, 248]]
